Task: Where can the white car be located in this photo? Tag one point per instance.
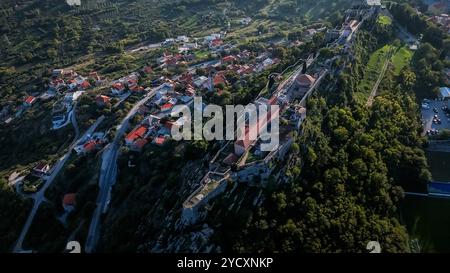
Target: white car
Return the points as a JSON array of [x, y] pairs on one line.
[[425, 106]]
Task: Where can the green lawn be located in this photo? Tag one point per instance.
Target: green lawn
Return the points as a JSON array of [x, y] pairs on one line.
[[428, 220], [401, 58], [384, 20], [201, 54], [439, 165], [372, 72]]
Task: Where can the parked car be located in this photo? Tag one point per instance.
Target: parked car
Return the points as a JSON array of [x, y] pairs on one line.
[[425, 106]]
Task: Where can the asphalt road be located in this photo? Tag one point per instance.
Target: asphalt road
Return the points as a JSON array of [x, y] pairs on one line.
[[108, 174], [39, 197]]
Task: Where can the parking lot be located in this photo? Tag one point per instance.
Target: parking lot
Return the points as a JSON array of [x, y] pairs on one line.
[[429, 114]]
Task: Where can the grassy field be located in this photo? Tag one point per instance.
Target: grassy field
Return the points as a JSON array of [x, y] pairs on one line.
[[439, 165], [372, 72], [384, 20], [428, 220], [401, 58], [201, 54]]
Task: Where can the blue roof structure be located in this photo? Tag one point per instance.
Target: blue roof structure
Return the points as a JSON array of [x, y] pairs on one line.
[[444, 92], [439, 188]]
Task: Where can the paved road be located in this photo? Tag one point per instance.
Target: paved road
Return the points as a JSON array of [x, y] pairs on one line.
[[74, 120], [39, 196], [108, 174]]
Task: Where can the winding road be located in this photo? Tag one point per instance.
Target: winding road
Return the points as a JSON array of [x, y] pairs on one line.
[[39, 197]]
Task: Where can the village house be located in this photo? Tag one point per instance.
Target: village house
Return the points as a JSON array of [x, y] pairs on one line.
[[94, 75], [85, 85], [242, 145], [245, 21], [215, 43], [302, 84], [219, 79], [29, 101], [200, 82], [228, 59], [57, 72], [72, 84], [190, 91], [137, 138], [41, 169], [165, 107], [70, 97], [245, 54], [69, 201], [102, 100], [56, 83], [90, 144], [186, 78], [168, 42], [182, 39], [160, 140], [118, 89], [147, 69], [211, 37], [349, 28], [245, 70], [47, 96], [443, 21], [262, 56], [444, 93], [69, 74], [187, 47]]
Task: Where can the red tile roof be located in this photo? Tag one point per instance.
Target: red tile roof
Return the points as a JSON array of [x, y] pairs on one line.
[[30, 100], [305, 80], [219, 78], [190, 92], [102, 99], [216, 42], [136, 134], [69, 199], [229, 59], [85, 85], [186, 78], [136, 88], [256, 129], [118, 86], [166, 106], [160, 140], [90, 146]]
